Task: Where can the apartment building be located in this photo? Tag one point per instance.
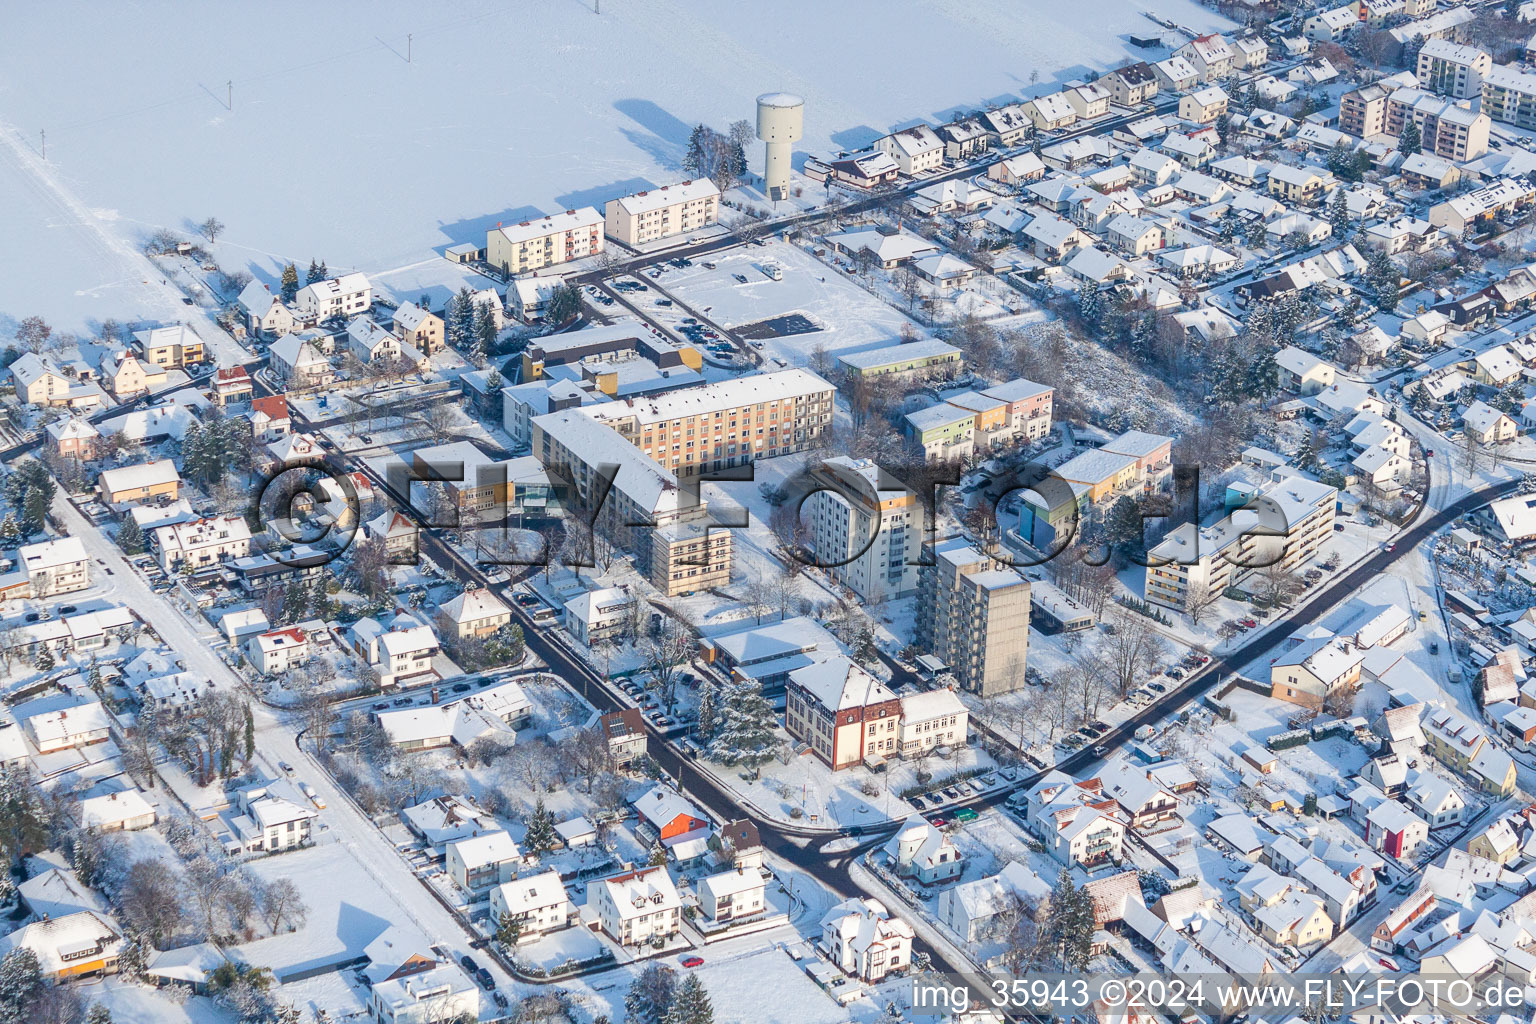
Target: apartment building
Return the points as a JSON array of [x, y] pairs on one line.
[[345, 296], [572, 347], [924, 358], [1452, 69], [174, 346], [683, 553], [54, 566], [865, 528], [1363, 111], [275, 652], [845, 715], [973, 614], [942, 431], [643, 217], [1451, 130], [532, 244], [199, 543], [864, 940], [1509, 96], [730, 423], [1285, 523]]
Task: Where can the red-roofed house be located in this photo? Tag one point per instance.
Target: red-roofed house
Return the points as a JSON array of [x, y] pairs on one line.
[[269, 418], [669, 814], [232, 384], [278, 651]]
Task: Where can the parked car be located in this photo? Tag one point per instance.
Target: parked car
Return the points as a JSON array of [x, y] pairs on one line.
[[286, 767], [965, 815], [483, 976], [468, 963], [692, 961]]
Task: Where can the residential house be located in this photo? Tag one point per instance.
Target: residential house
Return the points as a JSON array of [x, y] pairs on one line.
[[337, 298], [478, 862], [265, 313], [636, 906], [731, 896], [1204, 106], [916, 150], [865, 941], [535, 905], [155, 481], [473, 613], [419, 328]]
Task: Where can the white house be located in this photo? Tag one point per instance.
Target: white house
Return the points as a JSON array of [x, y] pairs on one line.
[[635, 906], [919, 850], [123, 811], [476, 862], [865, 941], [272, 817], [538, 904], [732, 895], [916, 150], [436, 996], [277, 651], [344, 296]]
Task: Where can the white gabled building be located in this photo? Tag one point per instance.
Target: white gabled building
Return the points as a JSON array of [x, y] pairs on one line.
[[636, 906], [916, 150], [271, 817], [344, 296], [277, 651], [538, 904], [53, 567], [199, 543], [476, 862], [436, 996], [865, 941]]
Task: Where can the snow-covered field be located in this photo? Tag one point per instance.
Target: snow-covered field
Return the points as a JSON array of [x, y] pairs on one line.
[[338, 146]]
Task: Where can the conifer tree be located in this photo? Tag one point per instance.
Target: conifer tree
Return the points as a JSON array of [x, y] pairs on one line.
[[130, 537], [690, 1003], [313, 273], [290, 282], [541, 835]]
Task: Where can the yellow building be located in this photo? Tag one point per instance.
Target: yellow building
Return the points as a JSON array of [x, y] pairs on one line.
[[418, 327], [529, 245], [170, 347], [656, 213]]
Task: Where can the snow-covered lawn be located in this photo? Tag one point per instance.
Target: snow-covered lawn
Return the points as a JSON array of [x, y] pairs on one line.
[[141, 1004], [849, 316], [345, 912], [429, 141]]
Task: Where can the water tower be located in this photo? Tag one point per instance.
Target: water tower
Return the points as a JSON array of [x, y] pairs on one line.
[[780, 124]]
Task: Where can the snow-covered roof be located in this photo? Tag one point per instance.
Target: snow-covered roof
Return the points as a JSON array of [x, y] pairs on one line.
[[570, 220], [668, 195]]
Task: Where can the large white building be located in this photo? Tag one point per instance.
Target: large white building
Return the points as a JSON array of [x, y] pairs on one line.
[[531, 244], [635, 906], [55, 566], [656, 213], [1452, 69], [344, 296], [1286, 523], [435, 996], [202, 542], [865, 529]]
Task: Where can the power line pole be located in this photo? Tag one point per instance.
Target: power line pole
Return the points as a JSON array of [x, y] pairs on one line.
[[43, 135], [408, 47], [230, 86]]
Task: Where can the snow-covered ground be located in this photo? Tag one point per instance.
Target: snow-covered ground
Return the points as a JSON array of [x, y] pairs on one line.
[[371, 134]]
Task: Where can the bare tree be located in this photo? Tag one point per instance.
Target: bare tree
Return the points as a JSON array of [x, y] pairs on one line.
[[1134, 648], [666, 655], [151, 899], [281, 902], [211, 228], [1199, 600]]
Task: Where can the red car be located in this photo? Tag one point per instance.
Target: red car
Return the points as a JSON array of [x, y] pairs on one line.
[[1250, 623], [693, 961]]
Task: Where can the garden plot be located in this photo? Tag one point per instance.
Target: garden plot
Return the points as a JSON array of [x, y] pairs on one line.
[[344, 911], [737, 293]]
